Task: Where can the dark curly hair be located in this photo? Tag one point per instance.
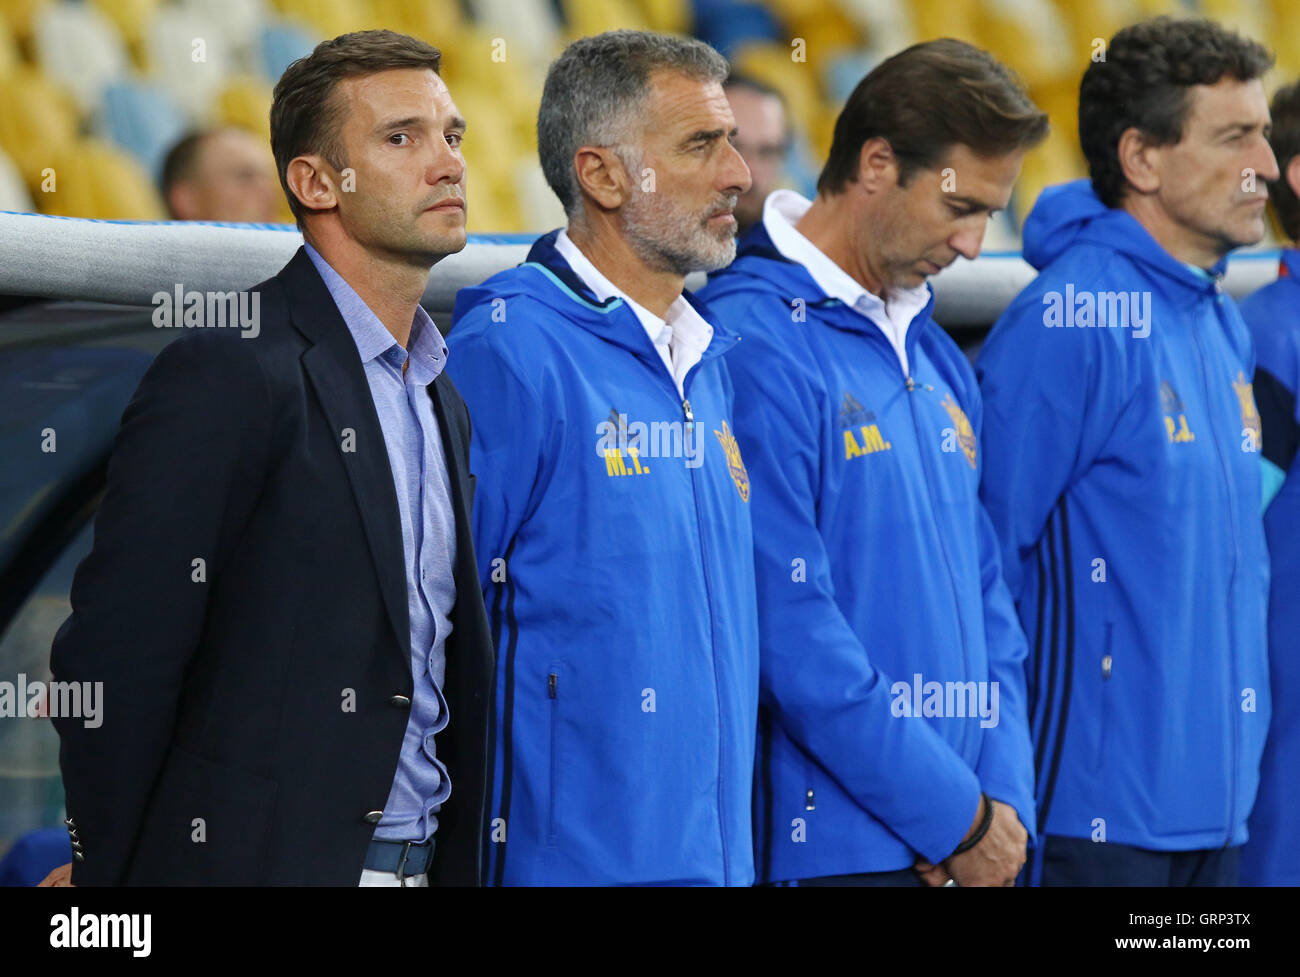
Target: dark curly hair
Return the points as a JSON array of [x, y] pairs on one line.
[[1285, 141], [1144, 83]]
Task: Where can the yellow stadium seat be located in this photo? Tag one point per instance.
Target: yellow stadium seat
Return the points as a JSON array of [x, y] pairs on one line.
[[36, 120], [822, 24], [668, 16], [1247, 17], [943, 18], [480, 64], [1285, 39], [435, 22], [1031, 37], [585, 18], [132, 19], [9, 54], [20, 15], [93, 179], [246, 102], [327, 18], [796, 80]]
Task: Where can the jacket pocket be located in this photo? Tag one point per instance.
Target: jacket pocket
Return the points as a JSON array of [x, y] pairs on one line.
[[553, 708], [1103, 723], [207, 823]]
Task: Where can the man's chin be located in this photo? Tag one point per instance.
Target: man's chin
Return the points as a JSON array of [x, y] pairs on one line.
[[433, 248]]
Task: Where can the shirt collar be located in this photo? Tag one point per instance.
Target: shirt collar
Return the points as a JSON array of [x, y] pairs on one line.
[[426, 347], [687, 324], [781, 211]]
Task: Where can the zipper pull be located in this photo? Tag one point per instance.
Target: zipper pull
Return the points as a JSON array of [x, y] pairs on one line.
[[686, 409], [1105, 666], [911, 384], [809, 804], [550, 685]]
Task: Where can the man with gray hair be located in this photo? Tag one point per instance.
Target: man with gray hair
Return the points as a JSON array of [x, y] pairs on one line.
[[612, 517]]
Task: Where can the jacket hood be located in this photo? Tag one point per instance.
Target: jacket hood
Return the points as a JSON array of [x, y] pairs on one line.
[[1072, 213]]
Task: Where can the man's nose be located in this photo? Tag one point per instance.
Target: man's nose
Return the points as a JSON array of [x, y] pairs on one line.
[[735, 171], [1266, 167], [445, 164], [968, 240]]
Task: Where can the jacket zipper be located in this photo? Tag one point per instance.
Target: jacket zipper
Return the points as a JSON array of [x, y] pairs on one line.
[[911, 385], [689, 414], [1236, 548], [552, 693]]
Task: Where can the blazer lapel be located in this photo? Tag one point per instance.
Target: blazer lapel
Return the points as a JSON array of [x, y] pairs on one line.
[[458, 473], [339, 380]]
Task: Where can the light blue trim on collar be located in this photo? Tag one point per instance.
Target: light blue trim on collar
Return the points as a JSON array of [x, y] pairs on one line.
[[602, 309]]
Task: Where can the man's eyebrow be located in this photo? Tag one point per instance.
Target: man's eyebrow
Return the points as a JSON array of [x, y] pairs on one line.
[[706, 136], [1235, 127], [970, 202], [412, 120], [458, 123]]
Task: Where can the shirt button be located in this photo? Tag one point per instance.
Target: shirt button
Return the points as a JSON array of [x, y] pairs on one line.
[[373, 817]]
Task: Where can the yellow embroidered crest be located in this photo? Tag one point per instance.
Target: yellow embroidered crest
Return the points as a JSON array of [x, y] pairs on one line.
[[965, 433], [1249, 413], [735, 464]]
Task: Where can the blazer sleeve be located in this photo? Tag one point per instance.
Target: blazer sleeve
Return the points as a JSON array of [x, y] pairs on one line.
[[189, 461]]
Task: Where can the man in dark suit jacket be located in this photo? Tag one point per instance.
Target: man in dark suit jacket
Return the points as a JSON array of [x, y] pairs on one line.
[[252, 598]]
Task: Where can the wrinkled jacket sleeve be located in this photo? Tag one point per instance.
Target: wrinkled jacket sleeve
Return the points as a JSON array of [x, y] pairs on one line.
[[1006, 763], [815, 675], [506, 446], [1050, 399]]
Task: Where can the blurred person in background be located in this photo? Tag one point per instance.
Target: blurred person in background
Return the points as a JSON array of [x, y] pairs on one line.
[[1123, 468], [878, 571], [762, 139], [222, 174], [1272, 853], [612, 514]]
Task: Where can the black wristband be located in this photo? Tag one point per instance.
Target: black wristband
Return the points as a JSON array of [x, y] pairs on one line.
[[981, 831]]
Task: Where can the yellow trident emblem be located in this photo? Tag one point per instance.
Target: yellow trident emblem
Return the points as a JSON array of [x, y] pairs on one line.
[[735, 464], [965, 433], [1249, 414]]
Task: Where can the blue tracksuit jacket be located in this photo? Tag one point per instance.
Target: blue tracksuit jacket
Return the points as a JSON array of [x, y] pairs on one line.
[[612, 527], [886, 629], [1123, 476], [1272, 855]]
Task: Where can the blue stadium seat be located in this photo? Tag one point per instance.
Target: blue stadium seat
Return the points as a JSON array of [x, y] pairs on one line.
[[728, 24], [143, 120], [283, 44]]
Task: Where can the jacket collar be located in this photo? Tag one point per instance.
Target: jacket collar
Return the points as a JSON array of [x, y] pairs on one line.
[[613, 320]]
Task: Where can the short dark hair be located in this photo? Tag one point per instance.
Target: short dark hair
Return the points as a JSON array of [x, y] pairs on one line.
[[927, 99], [1144, 82], [1285, 142], [181, 161], [304, 116]]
